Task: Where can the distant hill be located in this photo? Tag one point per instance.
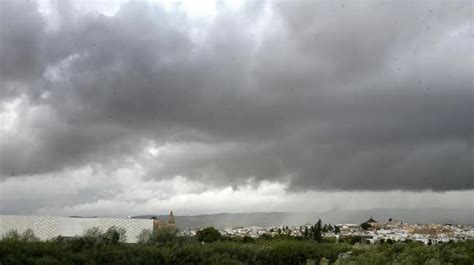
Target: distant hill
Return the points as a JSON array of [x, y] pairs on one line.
[[429, 215]]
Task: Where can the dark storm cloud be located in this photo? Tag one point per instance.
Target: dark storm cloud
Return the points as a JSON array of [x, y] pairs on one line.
[[325, 95], [21, 34]]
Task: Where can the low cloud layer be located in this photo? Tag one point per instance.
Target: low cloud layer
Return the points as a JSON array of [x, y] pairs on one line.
[[318, 95], [121, 194]]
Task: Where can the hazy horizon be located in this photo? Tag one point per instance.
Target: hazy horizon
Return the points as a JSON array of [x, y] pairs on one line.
[[266, 219]]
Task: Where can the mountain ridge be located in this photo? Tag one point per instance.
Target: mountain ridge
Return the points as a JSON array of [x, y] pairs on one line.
[[414, 215]]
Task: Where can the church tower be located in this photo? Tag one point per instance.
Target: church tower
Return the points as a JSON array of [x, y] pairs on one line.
[[171, 220]]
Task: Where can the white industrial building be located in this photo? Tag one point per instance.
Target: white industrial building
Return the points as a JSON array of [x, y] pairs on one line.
[[46, 227]]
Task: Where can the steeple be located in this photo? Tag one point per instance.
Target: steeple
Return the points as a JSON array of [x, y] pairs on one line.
[[171, 218]]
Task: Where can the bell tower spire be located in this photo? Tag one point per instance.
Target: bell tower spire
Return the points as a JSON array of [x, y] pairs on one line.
[[171, 218]]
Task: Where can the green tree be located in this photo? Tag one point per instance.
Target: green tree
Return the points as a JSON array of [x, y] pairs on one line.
[[115, 235], [28, 236], [330, 228], [11, 235], [317, 231], [93, 232], [144, 236], [163, 235], [306, 232], [208, 234], [325, 228]]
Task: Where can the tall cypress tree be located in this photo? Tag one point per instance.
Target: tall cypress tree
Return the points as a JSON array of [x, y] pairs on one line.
[[317, 231]]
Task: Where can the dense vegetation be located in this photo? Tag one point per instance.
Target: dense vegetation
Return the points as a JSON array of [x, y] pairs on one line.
[[165, 247]]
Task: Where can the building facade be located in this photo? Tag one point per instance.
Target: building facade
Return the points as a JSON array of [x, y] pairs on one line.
[[47, 227], [160, 224]]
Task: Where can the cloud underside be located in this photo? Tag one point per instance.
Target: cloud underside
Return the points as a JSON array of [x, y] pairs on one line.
[[319, 95]]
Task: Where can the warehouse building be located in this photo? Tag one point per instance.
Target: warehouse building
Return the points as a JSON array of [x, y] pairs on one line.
[[47, 227]]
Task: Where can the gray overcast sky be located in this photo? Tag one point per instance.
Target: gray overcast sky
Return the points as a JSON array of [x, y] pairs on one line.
[[116, 108]]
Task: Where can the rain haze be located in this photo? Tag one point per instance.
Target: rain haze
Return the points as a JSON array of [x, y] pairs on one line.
[[115, 108]]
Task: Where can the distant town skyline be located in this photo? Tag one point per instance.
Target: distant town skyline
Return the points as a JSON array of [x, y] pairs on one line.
[[116, 108]]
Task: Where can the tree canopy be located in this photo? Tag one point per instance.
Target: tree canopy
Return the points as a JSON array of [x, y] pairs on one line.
[[98, 247]]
